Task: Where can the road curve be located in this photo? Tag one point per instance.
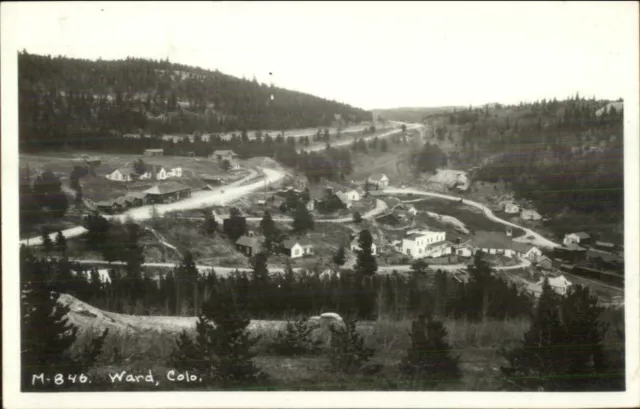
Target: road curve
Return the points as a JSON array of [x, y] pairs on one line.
[[217, 196], [538, 239], [380, 207]]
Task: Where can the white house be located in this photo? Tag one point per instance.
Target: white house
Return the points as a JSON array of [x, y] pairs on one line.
[[175, 172], [379, 180], [355, 247], [528, 251], [511, 208], [353, 195], [530, 215], [424, 244], [160, 173], [121, 175], [310, 205], [576, 238], [297, 248], [559, 284], [464, 251]]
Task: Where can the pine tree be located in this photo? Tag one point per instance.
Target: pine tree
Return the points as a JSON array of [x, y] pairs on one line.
[[429, 360], [347, 350], [61, 243], [210, 224], [47, 244], [222, 351], [340, 258], [187, 283], [302, 219], [536, 363], [269, 230], [366, 264], [357, 217]]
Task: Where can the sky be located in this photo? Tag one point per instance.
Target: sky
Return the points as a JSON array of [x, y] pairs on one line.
[[367, 54]]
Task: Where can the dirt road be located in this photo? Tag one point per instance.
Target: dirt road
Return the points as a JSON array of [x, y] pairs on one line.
[[537, 239], [217, 196]]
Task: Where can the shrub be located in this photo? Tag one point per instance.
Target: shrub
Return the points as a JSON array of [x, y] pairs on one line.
[[429, 359], [222, 351], [296, 339], [347, 352]]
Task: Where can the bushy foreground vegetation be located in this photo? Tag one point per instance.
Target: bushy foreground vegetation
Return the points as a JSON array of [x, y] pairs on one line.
[[558, 344]]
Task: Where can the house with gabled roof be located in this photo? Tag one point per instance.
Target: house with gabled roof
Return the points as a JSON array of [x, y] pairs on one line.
[[223, 154], [249, 244], [379, 180], [123, 174], [344, 199], [529, 214], [297, 247], [168, 192]]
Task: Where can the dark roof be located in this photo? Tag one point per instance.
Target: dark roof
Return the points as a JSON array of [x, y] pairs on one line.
[[521, 247], [607, 257], [137, 195], [491, 240], [249, 241], [573, 247], [166, 188], [289, 243]]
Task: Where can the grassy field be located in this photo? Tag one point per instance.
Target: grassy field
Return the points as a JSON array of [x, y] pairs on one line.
[[473, 218], [394, 163]]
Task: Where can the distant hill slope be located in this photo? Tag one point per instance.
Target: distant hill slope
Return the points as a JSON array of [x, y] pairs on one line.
[[408, 114], [63, 99]]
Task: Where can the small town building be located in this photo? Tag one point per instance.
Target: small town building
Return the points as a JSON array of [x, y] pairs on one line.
[[122, 175], [379, 180], [154, 152], [511, 208], [168, 192], [421, 244], [344, 199], [296, 248], [530, 215], [581, 238], [528, 251], [249, 244], [221, 155], [605, 246], [464, 250], [352, 195], [545, 263]]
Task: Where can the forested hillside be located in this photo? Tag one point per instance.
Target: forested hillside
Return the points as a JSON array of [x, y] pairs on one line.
[[65, 101], [563, 155]]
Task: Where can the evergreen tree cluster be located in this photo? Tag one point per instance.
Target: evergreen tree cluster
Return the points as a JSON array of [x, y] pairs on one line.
[[65, 101]]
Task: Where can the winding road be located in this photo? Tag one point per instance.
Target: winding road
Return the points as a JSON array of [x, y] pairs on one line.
[[537, 240], [348, 141]]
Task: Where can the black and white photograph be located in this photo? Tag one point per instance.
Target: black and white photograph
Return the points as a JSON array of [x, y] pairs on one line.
[[260, 198]]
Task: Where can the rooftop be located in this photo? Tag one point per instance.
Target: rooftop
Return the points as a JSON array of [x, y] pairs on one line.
[[289, 243], [166, 188]]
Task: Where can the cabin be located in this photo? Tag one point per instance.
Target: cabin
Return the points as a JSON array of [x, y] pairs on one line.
[[221, 155], [154, 152], [168, 193], [464, 251], [296, 248], [379, 180], [559, 284], [249, 244]]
